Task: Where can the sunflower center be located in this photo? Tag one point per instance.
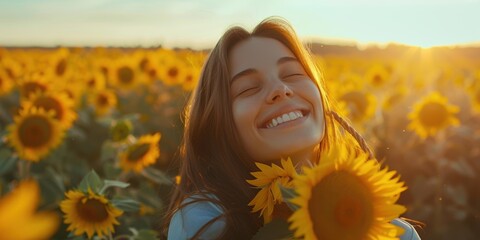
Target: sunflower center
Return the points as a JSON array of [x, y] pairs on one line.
[[35, 131], [189, 78], [125, 75], [102, 100], [341, 207], [358, 101], [173, 72], [69, 93], [477, 95], [92, 210], [91, 83], [137, 151], [104, 70], [348, 211], [61, 67], [152, 72], [31, 87], [144, 63], [10, 72], [48, 104], [377, 79], [121, 130], [433, 114]]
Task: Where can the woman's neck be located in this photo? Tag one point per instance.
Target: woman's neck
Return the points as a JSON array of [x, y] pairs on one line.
[[302, 159]]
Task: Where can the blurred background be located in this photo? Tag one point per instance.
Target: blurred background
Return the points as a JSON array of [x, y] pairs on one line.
[[101, 85]]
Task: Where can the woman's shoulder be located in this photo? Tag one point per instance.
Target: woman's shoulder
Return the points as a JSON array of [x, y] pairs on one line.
[[201, 210], [410, 232], [197, 212]]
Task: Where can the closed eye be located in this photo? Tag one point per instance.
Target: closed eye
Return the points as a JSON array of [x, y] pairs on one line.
[[248, 90], [293, 75]]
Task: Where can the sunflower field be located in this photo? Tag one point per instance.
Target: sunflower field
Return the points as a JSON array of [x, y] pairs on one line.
[[88, 135]]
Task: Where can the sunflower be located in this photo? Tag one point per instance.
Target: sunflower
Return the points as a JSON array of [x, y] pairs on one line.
[[267, 179], [18, 219], [60, 63], [32, 84], [394, 98], [377, 76], [11, 67], [103, 101], [102, 65], [120, 130], [89, 213], [74, 90], [125, 75], [475, 98], [148, 65], [145, 210], [142, 153], [6, 83], [191, 78], [35, 133], [95, 82], [178, 179], [346, 196], [174, 71], [432, 114], [59, 102], [142, 59], [360, 105]]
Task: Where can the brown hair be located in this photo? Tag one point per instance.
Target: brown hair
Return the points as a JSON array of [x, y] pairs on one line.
[[212, 155]]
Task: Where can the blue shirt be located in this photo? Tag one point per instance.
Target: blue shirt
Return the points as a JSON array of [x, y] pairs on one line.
[[188, 220]]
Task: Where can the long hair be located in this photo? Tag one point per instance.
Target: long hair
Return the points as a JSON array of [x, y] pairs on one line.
[[213, 158]]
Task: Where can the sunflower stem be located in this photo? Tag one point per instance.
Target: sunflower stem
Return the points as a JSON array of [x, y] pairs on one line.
[[23, 169], [438, 214]]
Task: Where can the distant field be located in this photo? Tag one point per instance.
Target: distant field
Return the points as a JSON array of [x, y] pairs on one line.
[[66, 111]]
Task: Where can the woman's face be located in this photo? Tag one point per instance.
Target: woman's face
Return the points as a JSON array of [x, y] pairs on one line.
[[277, 108]]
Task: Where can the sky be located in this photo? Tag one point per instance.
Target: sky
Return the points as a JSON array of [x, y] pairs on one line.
[[199, 24]]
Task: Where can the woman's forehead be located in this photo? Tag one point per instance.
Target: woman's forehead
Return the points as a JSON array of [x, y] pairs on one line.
[[257, 53]]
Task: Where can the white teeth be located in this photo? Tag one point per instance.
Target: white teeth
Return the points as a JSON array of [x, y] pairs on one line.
[[279, 120], [274, 122], [292, 115], [286, 117]]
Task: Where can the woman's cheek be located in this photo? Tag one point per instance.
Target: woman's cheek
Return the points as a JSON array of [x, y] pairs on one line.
[[243, 113]]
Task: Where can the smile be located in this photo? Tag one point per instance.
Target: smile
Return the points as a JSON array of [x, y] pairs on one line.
[[285, 118]]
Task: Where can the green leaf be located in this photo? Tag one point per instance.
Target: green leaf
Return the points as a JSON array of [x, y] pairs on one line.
[[83, 118], [157, 176], [53, 189], [276, 229], [92, 181], [72, 236], [111, 171], [108, 152], [7, 161], [126, 204], [3, 132], [113, 183], [77, 133], [146, 234], [287, 195], [131, 117]]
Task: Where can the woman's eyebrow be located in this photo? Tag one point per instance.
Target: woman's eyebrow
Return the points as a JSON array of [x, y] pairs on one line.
[[286, 59], [251, 70], [243, 73]]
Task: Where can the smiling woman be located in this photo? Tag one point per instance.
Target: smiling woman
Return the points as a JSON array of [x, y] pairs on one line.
[[276, 105], [260, 98]]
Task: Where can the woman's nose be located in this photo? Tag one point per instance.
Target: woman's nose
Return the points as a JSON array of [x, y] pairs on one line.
[[279, 91]]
